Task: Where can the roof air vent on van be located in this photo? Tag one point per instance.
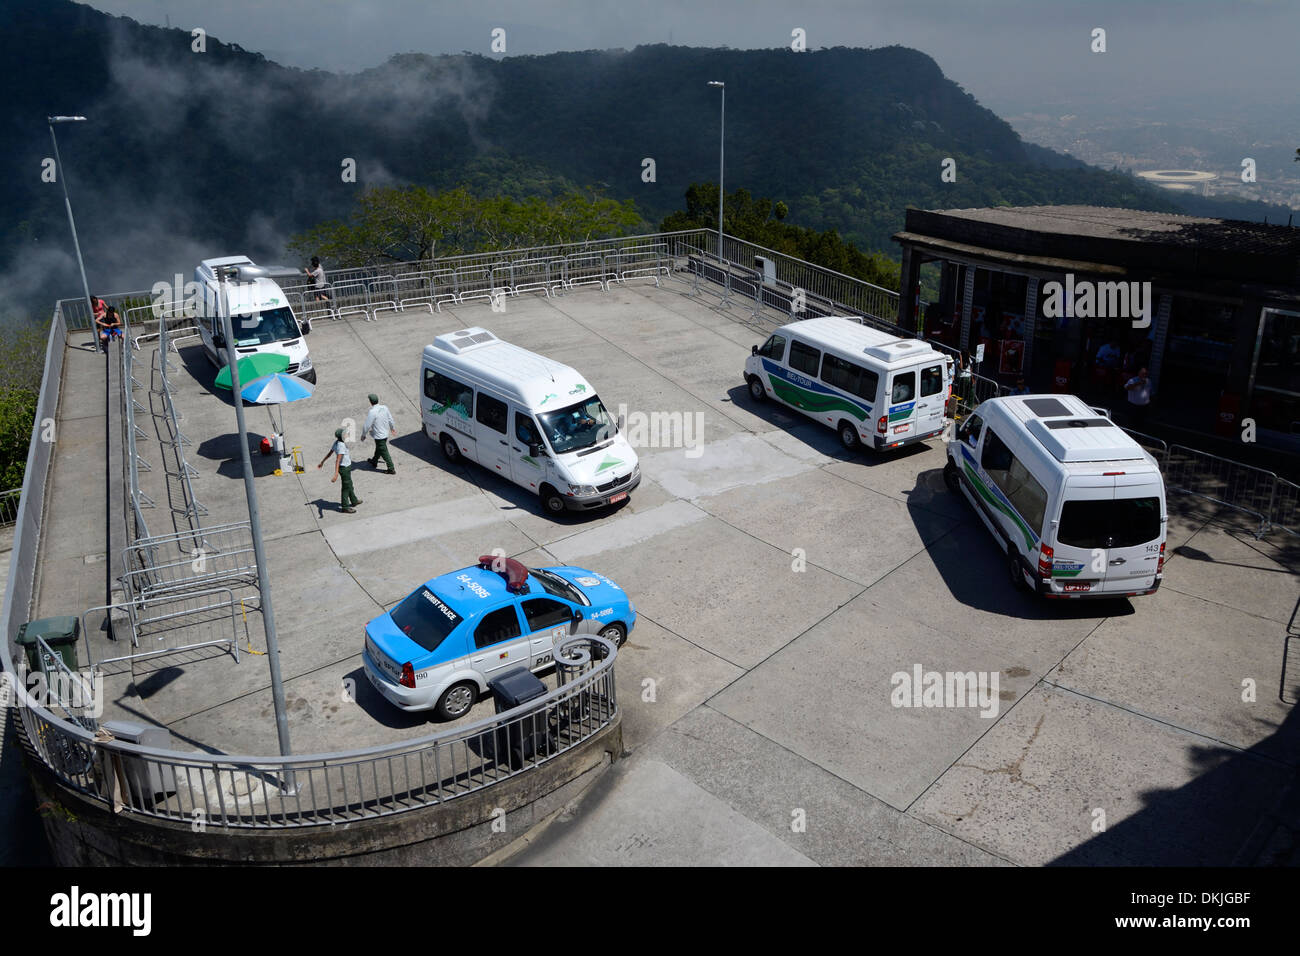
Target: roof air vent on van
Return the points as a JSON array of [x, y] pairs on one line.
[[1084, 439], [465, 339]]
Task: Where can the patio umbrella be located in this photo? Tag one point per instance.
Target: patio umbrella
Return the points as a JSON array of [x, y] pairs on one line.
[[276, 389], [254, 366]]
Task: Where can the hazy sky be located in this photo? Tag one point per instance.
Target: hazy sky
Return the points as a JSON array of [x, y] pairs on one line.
[[1011, 54]]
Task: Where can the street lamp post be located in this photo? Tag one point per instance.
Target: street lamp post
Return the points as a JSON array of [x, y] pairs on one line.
[[85, 288], [722, 142], [288, 785]]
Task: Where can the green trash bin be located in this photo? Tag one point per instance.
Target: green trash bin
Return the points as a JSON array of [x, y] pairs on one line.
[[60, 633]]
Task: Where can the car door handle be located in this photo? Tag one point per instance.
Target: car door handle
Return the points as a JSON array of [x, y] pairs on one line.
[[504, 442], [1119, 561], [516, 448]]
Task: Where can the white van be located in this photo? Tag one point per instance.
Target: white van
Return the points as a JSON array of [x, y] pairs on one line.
[[873, 388], [526, 417], [1077, 504], [260, 318]]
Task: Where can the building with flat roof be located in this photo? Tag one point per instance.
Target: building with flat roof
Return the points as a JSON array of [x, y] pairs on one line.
[[1078, 298]]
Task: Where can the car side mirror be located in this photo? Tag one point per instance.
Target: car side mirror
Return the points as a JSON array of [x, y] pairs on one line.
[[219, 341], [621, 422], [753, 350], [577, 616], [534, 450]]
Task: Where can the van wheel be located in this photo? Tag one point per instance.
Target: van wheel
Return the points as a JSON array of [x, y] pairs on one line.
[[849, 436], [951, 478], [450, 448], [1014, 571], [456, 700], [756, 389], [552, 501]]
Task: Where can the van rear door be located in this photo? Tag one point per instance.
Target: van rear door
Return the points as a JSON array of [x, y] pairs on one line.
[[1082, 535], [1108, 539], [1136, 533], [931, 400], [902, 404]]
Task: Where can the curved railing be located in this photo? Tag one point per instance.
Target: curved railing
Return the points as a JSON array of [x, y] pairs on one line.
[[220, 790]]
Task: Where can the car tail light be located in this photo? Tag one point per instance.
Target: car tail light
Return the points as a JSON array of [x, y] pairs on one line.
[[1044, 561], [1160, 565], [882, 425], [408, 675]]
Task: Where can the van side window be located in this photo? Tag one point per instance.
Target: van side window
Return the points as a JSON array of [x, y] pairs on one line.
[[525, 430], [448, 393], [970, 429], [1026, 495], [804, 358], [773, 348], [931, 380], [851, 378], [497, 626], [904, 387], [492, 413]]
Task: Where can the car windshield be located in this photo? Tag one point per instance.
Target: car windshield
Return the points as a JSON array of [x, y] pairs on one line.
[[425, 618], [263, 328], [578, 426], [1118, 523], [556, 586]]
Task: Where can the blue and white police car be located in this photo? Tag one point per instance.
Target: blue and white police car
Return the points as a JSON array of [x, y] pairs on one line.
[[438, 647]]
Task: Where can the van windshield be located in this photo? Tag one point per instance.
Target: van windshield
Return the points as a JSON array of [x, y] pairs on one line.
[[254, 328], [578, 426], [425, 618], [1118, 523]]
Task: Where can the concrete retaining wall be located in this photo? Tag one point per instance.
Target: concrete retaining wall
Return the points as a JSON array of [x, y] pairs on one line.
[[83, 832]]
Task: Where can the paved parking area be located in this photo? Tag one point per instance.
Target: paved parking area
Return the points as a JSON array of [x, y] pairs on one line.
[[781, 584]]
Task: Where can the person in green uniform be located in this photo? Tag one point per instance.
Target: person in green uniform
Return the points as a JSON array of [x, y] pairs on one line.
[[380, 427], [342, 469]]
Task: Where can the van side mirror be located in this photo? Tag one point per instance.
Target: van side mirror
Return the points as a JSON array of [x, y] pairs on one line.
[[622, 419], [753, 350], [219, 341], [534, 450]]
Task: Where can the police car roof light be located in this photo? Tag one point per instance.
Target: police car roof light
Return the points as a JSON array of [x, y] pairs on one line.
[[515, 572]]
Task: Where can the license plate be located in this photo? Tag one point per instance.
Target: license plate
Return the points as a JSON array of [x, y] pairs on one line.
[[614, 499], [1083, 586]]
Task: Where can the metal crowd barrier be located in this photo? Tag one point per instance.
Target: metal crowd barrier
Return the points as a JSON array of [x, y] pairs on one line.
[[9, 501], [190, 560], [172, 622]]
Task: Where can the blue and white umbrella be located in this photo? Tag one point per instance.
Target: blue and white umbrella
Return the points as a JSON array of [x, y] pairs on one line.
[[276, 389]]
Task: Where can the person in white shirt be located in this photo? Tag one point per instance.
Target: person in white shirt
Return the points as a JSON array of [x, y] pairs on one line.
[[317, 274], [1139, 396], [342, 469], [380, 427]]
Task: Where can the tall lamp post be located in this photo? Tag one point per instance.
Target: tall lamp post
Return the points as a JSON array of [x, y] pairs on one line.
[[722, 142], [244, 273], [85, 287]]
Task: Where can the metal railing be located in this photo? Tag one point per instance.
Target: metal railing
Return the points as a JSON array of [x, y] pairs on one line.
[[172, 622], [9, 506], [190, 561], [332, 788]]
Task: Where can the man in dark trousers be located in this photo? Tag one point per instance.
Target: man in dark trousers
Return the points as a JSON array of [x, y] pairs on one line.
[[342, 469], [380, 427]]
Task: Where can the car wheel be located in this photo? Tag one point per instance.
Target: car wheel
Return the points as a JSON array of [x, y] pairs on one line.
[[849, 436], [552, 501], [456, 700], [450, 449], [756, 389], [616, 634], [951, 478]]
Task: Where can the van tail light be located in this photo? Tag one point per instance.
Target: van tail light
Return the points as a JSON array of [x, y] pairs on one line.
[[1160, 565], [1044, 562], [882, 424], [408, 675]]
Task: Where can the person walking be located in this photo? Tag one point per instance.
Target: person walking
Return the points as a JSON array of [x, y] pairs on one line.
[[110, 326], [1139, 397], [342, 469], [317, 275], [380, 427]]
